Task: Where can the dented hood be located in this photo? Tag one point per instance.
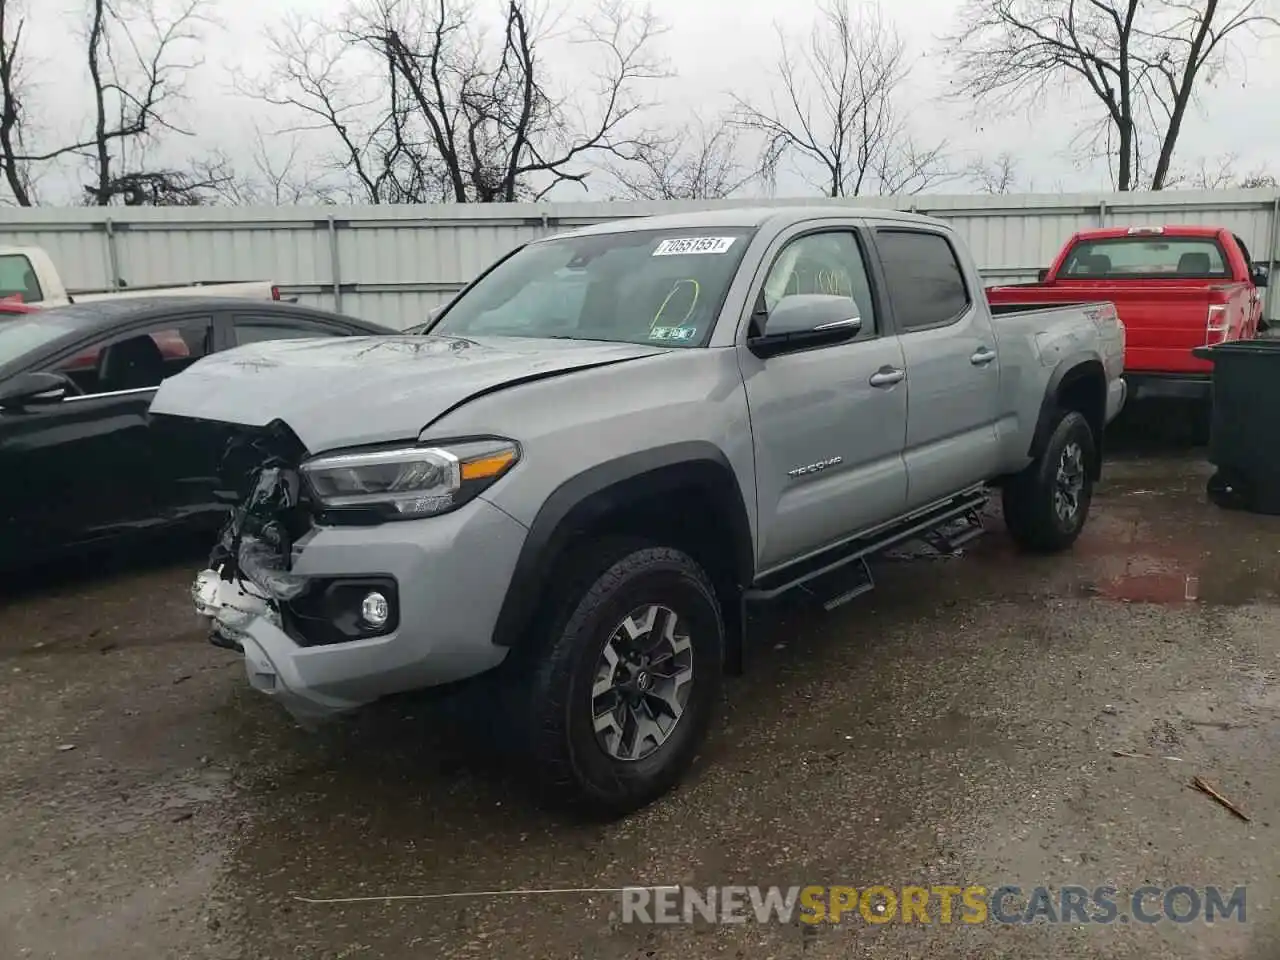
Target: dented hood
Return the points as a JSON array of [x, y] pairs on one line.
[[349, 391]]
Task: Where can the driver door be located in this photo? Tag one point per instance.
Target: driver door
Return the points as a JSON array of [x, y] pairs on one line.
[[829, 423]]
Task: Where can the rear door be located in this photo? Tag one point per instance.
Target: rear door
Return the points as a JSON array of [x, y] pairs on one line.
[[953, 372]]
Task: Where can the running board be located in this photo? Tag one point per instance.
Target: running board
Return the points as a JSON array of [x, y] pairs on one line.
[[948, 540], [966, 506], [845, 584]]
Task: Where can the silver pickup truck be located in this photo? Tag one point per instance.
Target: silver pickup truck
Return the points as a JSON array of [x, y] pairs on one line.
[[611, 442]]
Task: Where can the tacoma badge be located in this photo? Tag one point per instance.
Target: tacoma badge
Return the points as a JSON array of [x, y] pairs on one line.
[[815, 467]]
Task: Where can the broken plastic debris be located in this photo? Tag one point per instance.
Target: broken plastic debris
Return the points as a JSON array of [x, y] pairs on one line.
[[262, 560], [256, 542]]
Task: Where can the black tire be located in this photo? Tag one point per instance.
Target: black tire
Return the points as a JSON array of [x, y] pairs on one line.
[[601, 588], [1029, 498]]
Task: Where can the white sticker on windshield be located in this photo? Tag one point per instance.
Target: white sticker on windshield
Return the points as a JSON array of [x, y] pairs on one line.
[[682, 245]]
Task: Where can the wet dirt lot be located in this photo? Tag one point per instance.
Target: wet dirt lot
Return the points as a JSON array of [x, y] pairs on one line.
[[957, 726]]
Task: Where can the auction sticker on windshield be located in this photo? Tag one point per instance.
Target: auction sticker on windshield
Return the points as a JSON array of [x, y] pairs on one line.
[[669, 248], [673, 333]]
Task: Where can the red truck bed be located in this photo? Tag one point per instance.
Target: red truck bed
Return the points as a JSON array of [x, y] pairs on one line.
[[1175, 288]]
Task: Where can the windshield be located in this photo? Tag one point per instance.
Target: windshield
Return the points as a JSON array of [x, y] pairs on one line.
[[643, 286], [1135, 257], [19, 337]]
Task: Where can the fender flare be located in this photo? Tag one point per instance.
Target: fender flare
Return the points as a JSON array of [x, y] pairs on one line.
[[1068, 369], [599, 490]]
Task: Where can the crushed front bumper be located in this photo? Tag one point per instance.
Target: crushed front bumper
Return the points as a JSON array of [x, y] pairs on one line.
[[452, 572]]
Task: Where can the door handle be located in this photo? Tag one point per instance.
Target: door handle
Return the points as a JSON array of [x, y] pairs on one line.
[[982, 357], [887, 377]]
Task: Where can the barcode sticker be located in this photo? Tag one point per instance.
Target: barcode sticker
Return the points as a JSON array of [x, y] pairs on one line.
[[686, 245]]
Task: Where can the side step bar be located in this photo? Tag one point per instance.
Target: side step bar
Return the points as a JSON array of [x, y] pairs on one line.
[[966, 507], [850, 583]]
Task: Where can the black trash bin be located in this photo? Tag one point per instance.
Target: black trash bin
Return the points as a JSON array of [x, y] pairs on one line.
[[1242, 445]]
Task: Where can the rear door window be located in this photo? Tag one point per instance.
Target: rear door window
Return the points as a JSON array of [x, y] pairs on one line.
[[18, 279], [924, 280]]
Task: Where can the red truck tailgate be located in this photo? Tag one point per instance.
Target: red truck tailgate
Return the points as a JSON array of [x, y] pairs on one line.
[[1163, 321]]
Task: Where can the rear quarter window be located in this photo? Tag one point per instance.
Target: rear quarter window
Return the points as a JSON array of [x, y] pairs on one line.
[[256, 330]]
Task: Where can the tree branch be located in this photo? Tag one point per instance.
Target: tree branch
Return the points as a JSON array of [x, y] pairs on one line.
[[836, 110]]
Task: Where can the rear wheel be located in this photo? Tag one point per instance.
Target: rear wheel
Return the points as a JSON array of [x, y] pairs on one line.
[[1047, 504], [620, 697]]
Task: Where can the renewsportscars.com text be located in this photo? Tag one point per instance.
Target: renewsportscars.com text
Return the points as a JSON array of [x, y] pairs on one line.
[[942, 904]]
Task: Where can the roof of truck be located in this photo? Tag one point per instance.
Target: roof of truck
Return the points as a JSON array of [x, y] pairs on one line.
[[756, 216], [1170, 230]]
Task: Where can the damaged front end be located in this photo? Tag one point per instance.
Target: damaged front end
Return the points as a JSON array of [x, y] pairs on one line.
[[249, 568]]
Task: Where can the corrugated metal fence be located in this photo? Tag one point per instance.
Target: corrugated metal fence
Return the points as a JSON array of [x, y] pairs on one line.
[[392, 264]]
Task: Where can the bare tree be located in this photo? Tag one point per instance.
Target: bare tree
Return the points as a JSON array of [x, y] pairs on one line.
[[997, 176], [836, 108], [700, 161], [17, 172], [138, 54], [1140, 61], [285, 178], [1261, 180], [1221, 174], [424, 105], [357, 103], [275, 177]]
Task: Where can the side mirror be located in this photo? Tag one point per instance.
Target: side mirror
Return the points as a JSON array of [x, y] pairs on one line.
[[1260, 275], [32, 389], [808, 320], [1042, 275]]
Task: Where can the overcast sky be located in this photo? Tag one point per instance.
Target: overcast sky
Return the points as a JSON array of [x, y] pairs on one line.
[[712, 45]]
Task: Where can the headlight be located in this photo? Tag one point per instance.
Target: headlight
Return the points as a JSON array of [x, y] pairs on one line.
[[409, 482]]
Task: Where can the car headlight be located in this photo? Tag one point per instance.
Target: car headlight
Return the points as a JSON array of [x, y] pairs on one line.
[[408, 482]]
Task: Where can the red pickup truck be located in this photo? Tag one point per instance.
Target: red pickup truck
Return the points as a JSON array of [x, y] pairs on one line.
[[1175, 288]]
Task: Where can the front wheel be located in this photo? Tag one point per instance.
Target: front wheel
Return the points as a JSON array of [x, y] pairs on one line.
[[621, 696], [1046, 505]]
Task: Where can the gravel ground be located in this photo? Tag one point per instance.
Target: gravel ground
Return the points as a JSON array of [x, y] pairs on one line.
[[956, 726]]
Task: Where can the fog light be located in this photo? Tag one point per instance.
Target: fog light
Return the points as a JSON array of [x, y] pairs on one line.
[[374, 609]]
